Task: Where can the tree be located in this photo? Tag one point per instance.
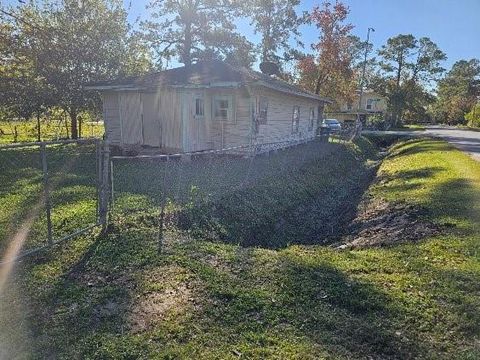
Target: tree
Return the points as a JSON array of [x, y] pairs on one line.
[[193, 29], [473, 117], [24, 92], [330, 71], [71, 43], [277, 22], [408, 65], [458, 91]]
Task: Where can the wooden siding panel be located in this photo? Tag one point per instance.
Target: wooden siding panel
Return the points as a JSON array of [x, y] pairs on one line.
[[279, 118], [170, 118], [131, 117], [152, 135], [238, 131], [111, 118]]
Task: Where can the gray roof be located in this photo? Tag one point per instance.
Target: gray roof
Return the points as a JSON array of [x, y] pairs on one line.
[[204, 74]]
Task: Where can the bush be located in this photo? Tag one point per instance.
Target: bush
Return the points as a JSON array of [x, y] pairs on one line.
[[377, 122], [473, 117]]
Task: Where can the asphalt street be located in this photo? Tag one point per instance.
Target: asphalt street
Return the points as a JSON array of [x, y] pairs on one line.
[[465, 140]]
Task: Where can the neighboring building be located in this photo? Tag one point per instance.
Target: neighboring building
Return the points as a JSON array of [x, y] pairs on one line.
[[208, 105], [372, 103]]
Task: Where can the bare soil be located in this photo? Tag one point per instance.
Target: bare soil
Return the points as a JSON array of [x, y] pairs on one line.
[[380, 223]]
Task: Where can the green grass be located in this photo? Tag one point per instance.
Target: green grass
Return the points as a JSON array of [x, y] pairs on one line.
[[72, 177], [262, 201], [116, 297], [50, 130]]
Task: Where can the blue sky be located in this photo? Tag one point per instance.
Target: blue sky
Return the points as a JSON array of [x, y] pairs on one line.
[[453, 24]]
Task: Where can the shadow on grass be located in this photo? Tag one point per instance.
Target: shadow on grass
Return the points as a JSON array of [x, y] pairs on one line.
[[284, 304], [412, 147], [265, 313], [302, 205]]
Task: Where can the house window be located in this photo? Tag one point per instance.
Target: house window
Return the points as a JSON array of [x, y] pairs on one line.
[[199, 107], [349, 106], [295, 119], [221, 106], [370, 103], [262, 110], [311, 119]]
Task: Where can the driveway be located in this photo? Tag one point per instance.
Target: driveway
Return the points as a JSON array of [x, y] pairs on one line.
[[465, 140]]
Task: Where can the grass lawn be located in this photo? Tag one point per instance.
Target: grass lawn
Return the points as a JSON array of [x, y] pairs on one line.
[[50, 130], [72, 177], [116, 297]]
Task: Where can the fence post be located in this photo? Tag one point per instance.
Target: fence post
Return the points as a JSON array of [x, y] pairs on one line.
[[112, 190], [162, 209], [98, 171], [104, 186], [43, 151]]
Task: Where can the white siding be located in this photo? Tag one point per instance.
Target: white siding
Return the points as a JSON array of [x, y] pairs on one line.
[[236, 131], [152, 134], [131, 112], [111, 117], [171, 118], [163, 118], [280, 114]]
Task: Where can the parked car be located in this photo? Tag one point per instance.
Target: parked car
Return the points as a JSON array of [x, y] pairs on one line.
[[332, 124]]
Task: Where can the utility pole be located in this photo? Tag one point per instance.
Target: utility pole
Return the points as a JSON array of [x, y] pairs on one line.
[[359, 124]]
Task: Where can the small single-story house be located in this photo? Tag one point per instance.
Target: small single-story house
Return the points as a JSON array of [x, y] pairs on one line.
[[208, 105], [372, 104]]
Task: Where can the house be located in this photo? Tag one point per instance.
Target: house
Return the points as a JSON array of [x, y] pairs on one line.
[[208, 105], [372, 103]]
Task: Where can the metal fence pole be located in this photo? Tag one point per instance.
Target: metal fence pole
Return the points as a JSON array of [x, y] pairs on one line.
[[112, 190], [43, 151], [98, 171], [162, 210], [104, 187]]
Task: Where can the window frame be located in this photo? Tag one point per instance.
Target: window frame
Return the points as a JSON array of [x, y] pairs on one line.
[[372, 102], [231, 115], [295, 119], [229, 109], [262, 120], [197, 99], [311, 119]]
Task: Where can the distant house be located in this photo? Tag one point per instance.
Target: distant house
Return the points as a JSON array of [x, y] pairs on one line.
[[208, 105], [372, 103]]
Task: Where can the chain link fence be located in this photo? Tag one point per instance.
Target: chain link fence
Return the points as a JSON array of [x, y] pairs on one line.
[[53, 191], [49, 192], [16, 131], [235, 195]]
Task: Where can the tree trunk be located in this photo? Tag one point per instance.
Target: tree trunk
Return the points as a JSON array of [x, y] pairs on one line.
[[317, 86], [39, 132], [73, 122], [187, 45]]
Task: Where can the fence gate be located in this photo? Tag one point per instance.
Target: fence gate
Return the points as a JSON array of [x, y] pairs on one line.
[[51, 192]]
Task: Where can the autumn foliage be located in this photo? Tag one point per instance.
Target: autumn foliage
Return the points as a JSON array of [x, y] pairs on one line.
[[330, 70]]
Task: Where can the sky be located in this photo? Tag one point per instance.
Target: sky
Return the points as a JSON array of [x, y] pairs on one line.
[[454, 25]]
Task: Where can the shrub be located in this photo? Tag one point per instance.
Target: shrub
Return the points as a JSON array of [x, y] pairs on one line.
[[377, 122], [473, 117]]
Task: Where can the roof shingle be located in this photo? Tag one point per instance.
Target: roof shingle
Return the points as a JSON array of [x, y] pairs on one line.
[[205, 73]]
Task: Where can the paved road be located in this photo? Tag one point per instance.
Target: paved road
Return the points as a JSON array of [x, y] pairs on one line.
[[468, 141]]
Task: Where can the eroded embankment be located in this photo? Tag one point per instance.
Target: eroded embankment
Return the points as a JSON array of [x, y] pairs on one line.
[[378, 222], [304, 205]]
